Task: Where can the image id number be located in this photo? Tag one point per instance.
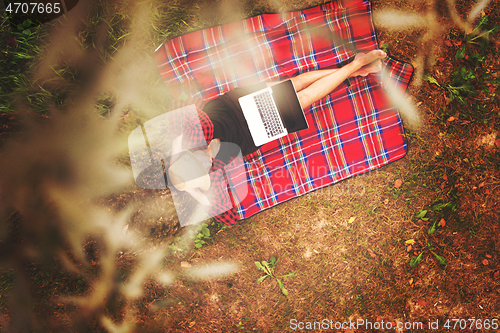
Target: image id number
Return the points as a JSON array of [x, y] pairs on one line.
[[479, 324], [33, 7]]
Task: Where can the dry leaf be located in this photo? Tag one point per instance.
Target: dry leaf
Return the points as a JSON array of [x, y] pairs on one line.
[[386, 201], [185, 264], [485, 262], [191, 324], [422, 303], [481, 184], [448, 43], [468, 256], [398, 183], [442, 223], [486, 191], [409, 248], [451, 118], [352, 219], [373, 255], [441, 59], [410, 241], [497, 143], [443, 184], [495, 275], [410, 281], [488, 256], [445, 177]]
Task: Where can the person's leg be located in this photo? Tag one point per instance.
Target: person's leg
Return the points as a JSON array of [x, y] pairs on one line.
[[324, 85], [304, 80]]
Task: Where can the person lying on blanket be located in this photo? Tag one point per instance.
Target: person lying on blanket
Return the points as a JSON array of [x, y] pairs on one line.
[[222, 119]]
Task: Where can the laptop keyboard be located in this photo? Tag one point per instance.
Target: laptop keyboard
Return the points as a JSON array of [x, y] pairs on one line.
[[269, 114]]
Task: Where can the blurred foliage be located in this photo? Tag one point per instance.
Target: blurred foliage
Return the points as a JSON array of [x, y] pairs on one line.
[[54, 173]]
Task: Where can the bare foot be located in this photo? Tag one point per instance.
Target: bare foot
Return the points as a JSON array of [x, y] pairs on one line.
[[374, 67], [363, 59]]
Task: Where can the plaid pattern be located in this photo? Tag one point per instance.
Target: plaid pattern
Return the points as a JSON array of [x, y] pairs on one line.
[[223, 209], [353, 130], [192, 137]]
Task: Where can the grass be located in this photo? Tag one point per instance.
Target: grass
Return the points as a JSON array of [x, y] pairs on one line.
[[20, 46], [347, 243]]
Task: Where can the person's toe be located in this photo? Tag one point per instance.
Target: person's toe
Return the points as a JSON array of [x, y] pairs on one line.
[[381, 54]]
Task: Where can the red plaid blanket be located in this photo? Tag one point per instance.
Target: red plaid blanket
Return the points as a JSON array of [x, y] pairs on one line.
[[353, 130]]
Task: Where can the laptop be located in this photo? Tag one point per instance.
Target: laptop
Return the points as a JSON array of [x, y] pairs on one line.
[[273, 112]]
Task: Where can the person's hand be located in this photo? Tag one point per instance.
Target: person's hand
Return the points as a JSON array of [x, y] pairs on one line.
[[214, 153]]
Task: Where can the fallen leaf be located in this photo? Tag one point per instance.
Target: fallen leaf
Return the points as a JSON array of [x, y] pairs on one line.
[[386, 201], [495, 275], [481, 184], [338, 211], [485, 262], [191, 324], [497, 143], [443, 184], [422, 303], [451, 118], [486, 191], [488, 256], [398, 183], [442, 223], [468, 256], [373, 255], [11, 40], [457, 42], [410, 281], [448, 43], [445, 177], [419, 103], [440, 59], [410, 241], [185, 264], [352, 219], [409, 248]]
